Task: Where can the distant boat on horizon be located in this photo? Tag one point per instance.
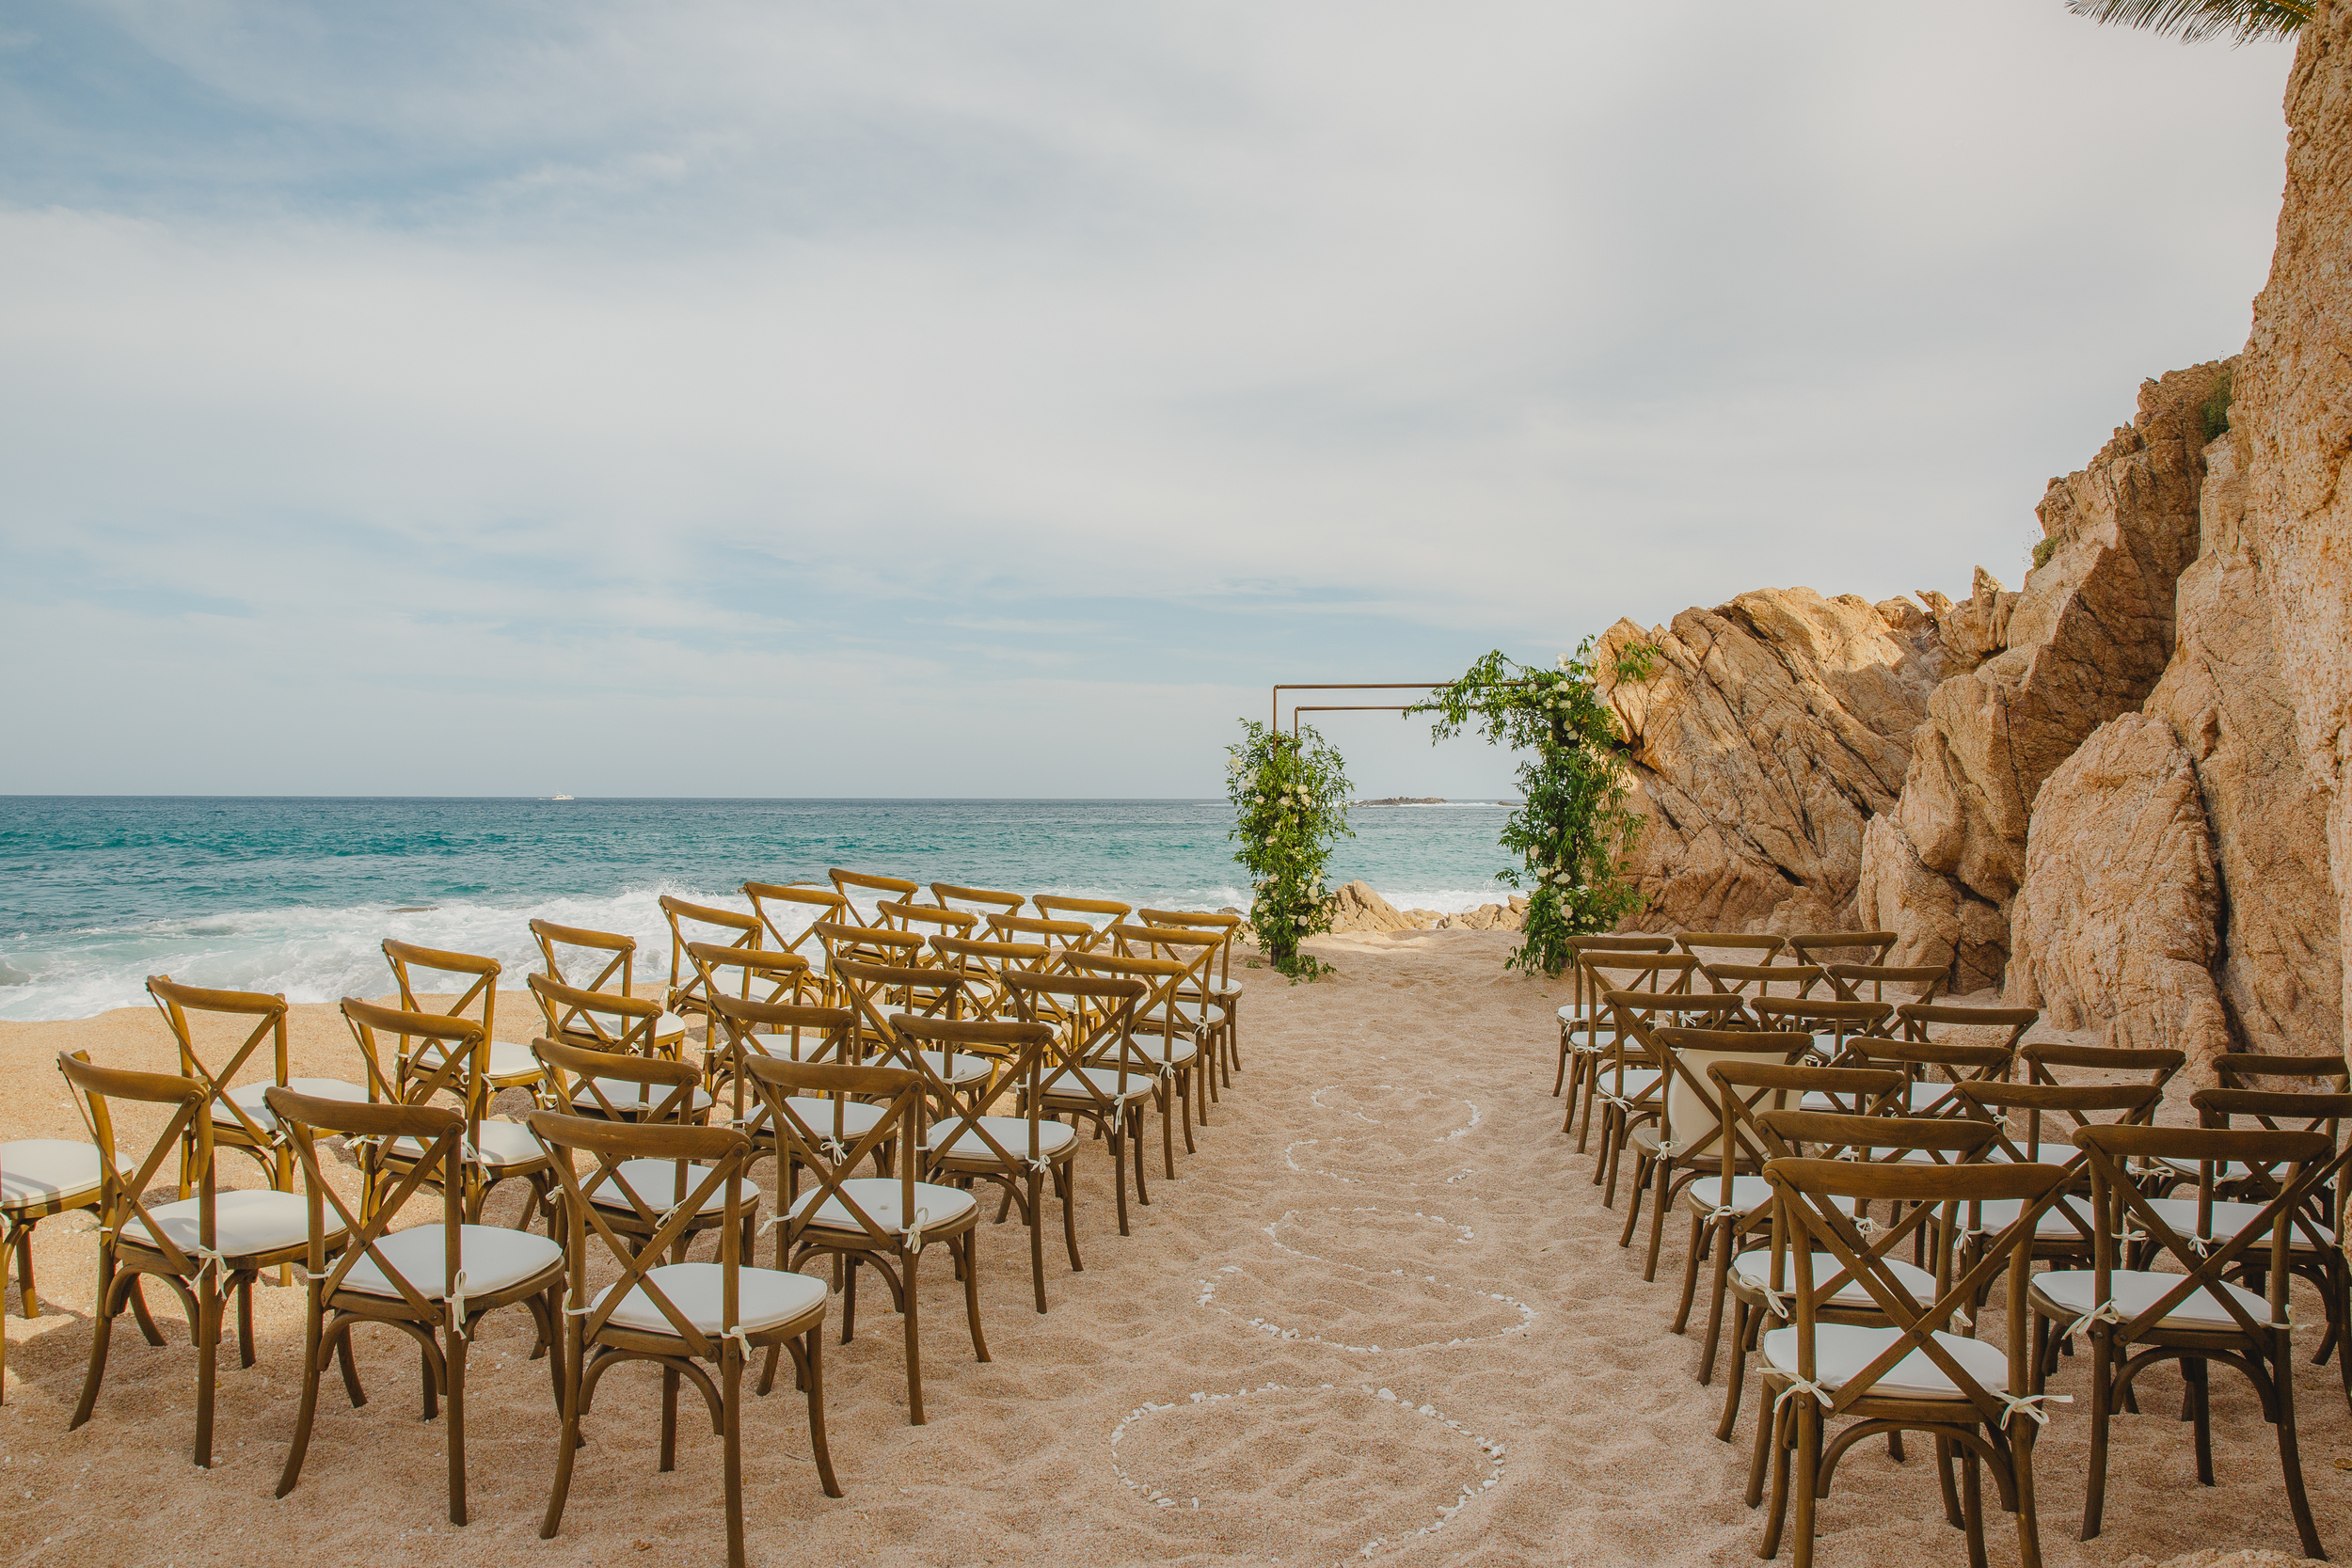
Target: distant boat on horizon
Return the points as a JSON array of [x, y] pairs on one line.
[[559, 797]]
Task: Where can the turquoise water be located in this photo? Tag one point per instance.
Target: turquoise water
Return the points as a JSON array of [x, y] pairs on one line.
[[294, 895]]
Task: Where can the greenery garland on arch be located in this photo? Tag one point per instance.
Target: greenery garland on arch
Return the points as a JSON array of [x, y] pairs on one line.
[[1290, 808], [1574, 832]]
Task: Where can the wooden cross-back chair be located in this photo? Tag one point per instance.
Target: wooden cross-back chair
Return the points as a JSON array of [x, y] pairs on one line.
[[793, 1033], [2251, 1070], [1730, 1207], [1633, 1077], [1950, 1022], [883, 1222], [639, 1195], [983, 966], [1108, 912], [1190, 1004], [206, 1248], [1793, 980], [602, 1019], [2308, 1252], [687, 995], [867, 944], [1977, 1400], [776, 904], [1828, 947], [926, 920], [240, 1118], [1224, 990], [876, 992], [678, 1317], [758, 974], [1935, 1067], [1603, 970], [433, 1282], [510, 1067], [1911, 983], [1161, 1034], [1763, 945], [40, 1177], [1580, 1020], [1092, 1073], [489, 1152], [1689, 1141], [616, 978], [849, 884], [1062, 936], [2137, 1317], [1015, 1154], [948, 894], [1758, 1277]]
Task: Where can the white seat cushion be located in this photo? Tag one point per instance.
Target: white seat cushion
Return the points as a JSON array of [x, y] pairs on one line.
[[654, 1182], [1755, 1270], [627, 1095], [879, 1197], [957, 1069], [503, 1142], [507, 1060], [249, 1096], [1061, 1091], [2135, 1290], [490, 1256], [1998, 1215], [2228, 1220], [1638, 1080], [1842, 1350], [1749, 1194], [764, 1298], [857, 1117], [243, 1222], [2228, 1170], [1922, 1099], [1011, 1132], [668, 1028], [1155, 1048], [36, 1172]]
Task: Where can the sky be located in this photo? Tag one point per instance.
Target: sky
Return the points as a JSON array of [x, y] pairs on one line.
[[880, 399]]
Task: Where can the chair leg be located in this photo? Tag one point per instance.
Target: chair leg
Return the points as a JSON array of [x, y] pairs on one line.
[[914, 1344], [314, 1354], [245, 1323], [1807, 1479], [669, 1420], [1134, 1141], [849, 1296], [138, 1310], [112, 1288], [731, 1445], [1691, 1279], [1639, 1185], [1737, 1376], [454, 1357], [1972, 1505], [1118, 1168], [28, 1298], [2101, 1400], [814, 1375], [2290, 1458], [1037, 1239], [1658, 1217], [1067, 1185], [2197, 1374], [209, 1309], [2028, 1515], [970, 1256], [1168, 1126], [1773, 1428], [1944, 1457]]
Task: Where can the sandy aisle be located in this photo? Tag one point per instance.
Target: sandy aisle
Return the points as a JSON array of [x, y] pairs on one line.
[[1383, 1287]]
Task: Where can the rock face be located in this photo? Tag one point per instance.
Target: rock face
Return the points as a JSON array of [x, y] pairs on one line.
[[1775, 727], [1361, 908], [2115, 925], [2086, 639], [2294, 409]]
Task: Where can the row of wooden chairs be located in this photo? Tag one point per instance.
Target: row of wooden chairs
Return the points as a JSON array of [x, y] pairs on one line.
[[1781, 1142]]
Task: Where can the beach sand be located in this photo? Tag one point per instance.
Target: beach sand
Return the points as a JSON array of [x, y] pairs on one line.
[[1382, 1315]]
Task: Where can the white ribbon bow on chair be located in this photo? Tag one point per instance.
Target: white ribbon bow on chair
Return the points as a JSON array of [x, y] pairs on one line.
[[2027, 1404], [457, 1306], [1805, 1386], [2105, 1312], [914, 1232]]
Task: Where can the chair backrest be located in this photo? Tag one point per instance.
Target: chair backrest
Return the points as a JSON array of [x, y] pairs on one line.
[[1758, 948], [1999, 1103], [1155, 1015], [793, 1030], [721, 1152], [1824, 948], [409, 960], [1758, 979], [1225, 927], [1839, 1020], [1056, 907], [576, 1072], [616, 951], [1812, 1214], [826, 1150], [1884, 1139], [761, 973], [706, 925], [440, 1134], [1693, 1101], [871, 945], [459, 1069], [1911, 982], [983, 965], [1016, 1053], [122, 1182], [2275, 1111], [777, 904], [602, 1019], [2038, 1059], [927, 920], [2298, 1168], [1196, 949], [1611, 968], [1946, 1020], [1063, 936], [849, 884], [949, 895], [1932, 1061], [1748, 1087], [1091, 1017], [875, 992], [268, 1013], [2246, 1070]]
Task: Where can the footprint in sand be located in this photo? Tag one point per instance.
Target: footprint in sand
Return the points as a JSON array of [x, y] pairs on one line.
[[1388, 1303], [1304, 1465]]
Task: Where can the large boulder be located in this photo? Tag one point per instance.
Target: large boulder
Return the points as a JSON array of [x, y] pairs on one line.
[[1357, 907], [2294, 409], [2226, 698], [2086, 639], [2117, 923], [1774, 728]]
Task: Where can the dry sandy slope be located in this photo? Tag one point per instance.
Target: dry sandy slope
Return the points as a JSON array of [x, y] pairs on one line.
[[1384, 1204]]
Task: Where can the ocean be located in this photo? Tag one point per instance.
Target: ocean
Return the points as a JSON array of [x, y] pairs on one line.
[[99, 891]]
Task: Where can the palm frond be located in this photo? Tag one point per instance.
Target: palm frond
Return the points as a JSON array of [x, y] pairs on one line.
[[2195, 20]]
